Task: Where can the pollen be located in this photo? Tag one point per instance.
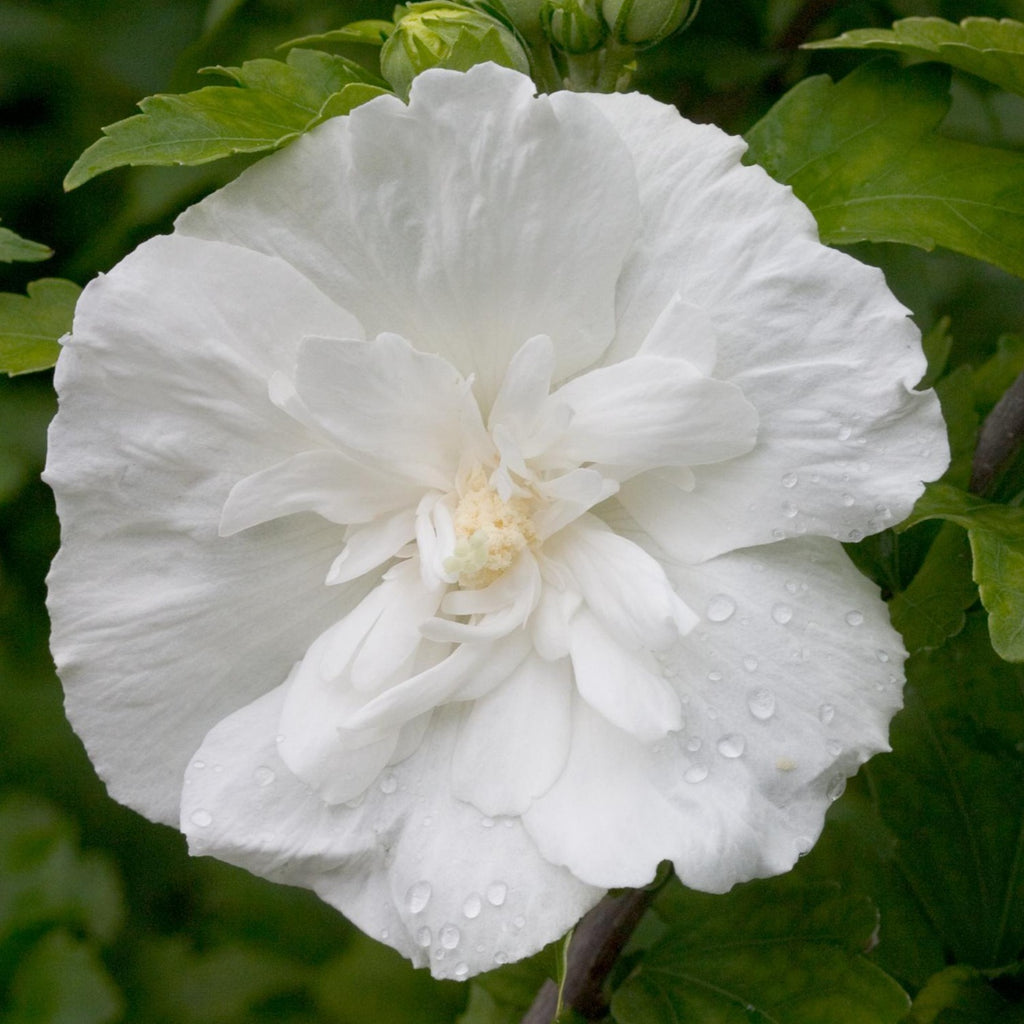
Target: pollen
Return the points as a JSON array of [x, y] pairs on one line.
[[490, 532]]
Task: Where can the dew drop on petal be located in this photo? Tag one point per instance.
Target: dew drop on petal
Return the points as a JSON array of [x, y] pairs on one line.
[[496, 893], [418, 897], [790, 480], [802, 844], [200, 765], [201, 818], [472, 906], [854, 618], [500, 957], [882, 656], [715, 677], [263, 776], [782, 614], [732, 745], [423, 937], [844, 433], [836, 787], [761, 703], [461, 971], [849, 500], [855, 536], [750, 663], [519, 921], [789, 510], [696, 773], [450, 936], [487, 822], [834, 747], [388, 783], [721, 608], [693, 744], [826, 713]]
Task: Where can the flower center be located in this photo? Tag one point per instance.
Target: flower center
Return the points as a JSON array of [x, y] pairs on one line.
[[489, 532]]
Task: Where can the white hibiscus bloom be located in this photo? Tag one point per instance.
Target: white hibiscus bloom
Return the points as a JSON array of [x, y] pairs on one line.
[[451, 511]]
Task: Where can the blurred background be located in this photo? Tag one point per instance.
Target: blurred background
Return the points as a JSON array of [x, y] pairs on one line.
[[103, 917]]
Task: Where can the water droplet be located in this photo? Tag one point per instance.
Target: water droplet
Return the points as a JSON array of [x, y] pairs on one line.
[[200, 765], [518, 921], [826, 713], [778, 534], [750, 663], [836, 787], [732, 745], [790, 480], [761, 703], [789, 510], [450, 936], [803, 844], [472, 906], [696, 773], [201, 818], [418, 897], [834, 747], [388, 783], [782, 613], [461, 971], [855, 536], [693, 744], [263, 776], [715, 677], [501, 957], [423, 937], [496, 893], [844, 433], [487, 822], [849, 500], [384, 935], [882, 656], [854, 618], [721, 608]]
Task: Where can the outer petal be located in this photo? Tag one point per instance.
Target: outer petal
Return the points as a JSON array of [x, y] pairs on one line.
[[451, 221], [788, 688], [813, 338], [410, 864], [160, 627]]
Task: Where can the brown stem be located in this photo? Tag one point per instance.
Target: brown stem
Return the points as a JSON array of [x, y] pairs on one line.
[[1000, 439], [596, 944]]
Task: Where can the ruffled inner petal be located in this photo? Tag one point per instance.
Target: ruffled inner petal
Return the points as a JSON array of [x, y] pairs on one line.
[[651, 411], [514, 741]]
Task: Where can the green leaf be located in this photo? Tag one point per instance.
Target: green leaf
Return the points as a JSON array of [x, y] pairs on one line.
[[863, 154], [999, 573], [942, 501], [937, 345], [272, 103], [933, 607], [963, 995], [373, 32], [31, 325], [63, 981], [996, 374], [990, 49], [957, 398], [767, 951], [14, 248]]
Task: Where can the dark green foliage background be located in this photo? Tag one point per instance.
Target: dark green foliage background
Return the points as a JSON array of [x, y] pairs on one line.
[[103, 917]]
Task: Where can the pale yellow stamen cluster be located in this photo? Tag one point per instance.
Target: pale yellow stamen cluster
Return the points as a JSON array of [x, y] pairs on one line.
[[490, 532]]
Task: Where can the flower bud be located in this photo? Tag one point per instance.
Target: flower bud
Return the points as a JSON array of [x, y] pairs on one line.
[[574, 26], [446, 35], [525, 16], [646, 22]]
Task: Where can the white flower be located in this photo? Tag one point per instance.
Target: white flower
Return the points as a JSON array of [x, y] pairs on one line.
[[451, 512]]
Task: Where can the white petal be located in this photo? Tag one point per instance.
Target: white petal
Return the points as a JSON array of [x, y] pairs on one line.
[[160, 626], [470, 277], [650, 411], [369, 545], [326, 482], [623, 585], [568, 496], [627, 687], [514, 741], [406, 410], [411, 865], [789, 687], [813, 338], [683, 331]]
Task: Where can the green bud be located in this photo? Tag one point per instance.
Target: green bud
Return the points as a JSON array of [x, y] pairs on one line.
[[646, 22], [525, 15], [445, 35], [574, 26]]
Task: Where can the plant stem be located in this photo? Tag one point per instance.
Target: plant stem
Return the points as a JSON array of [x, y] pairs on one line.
[[1000, 439], [596, 944]]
